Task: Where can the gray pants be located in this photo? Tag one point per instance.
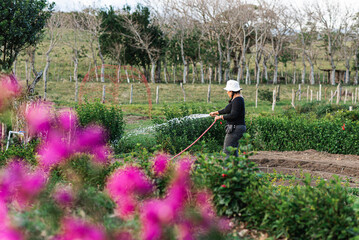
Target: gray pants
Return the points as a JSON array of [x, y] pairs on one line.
[[231, 139]]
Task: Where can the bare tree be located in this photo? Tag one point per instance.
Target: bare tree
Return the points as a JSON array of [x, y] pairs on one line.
[[331, 19], [281, 26], [54, 32], [143, 40], [73, 22], [307, 38]]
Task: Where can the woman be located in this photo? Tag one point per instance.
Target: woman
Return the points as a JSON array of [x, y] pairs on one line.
[[234, 114]]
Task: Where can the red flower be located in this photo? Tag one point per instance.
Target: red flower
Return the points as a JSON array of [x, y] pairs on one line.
[[220, 122], [224, 175], [343, 127], [223, 186], [244, 153]]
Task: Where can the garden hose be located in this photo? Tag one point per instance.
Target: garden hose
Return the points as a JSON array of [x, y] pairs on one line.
[[195, 140]]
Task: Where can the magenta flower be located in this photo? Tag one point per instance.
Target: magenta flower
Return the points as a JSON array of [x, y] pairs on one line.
[[67, 119], [20, 184], [64, 195], [9, 88], [124, 185], [185, 231], [10, 234], [128, 180], [78, 229], [160, 164], [124, 236], [39, 117], [101, 154], [88, 138], [54, 151]]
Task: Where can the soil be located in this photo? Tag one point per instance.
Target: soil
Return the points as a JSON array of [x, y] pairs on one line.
[[318, 164]]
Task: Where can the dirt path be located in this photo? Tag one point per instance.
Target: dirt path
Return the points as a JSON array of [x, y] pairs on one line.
[[316, 163]]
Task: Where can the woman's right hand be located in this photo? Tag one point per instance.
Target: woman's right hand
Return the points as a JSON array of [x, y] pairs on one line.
[[212, 114]]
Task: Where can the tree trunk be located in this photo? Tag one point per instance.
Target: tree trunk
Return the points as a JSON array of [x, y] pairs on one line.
[[44, 76], [228, 61], [275, 75], [194, 72], [220, 61], [94, 60], [158, 72], [153, 68], [265, 68], [304, 69], [311, 77], [102, 65], [184, 62], [165, 70], [76, 79], [347, 76]]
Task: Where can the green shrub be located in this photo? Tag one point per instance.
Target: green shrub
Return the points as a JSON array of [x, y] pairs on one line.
[[302, 211], [110, 118], [228, 179], [176, 134], [298, 134], [26, 152], [267, 95]]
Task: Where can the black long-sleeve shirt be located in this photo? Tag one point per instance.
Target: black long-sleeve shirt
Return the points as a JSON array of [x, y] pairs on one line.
[[234, 112]]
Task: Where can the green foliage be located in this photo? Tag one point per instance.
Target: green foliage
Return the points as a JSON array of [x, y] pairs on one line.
[[21, 25], [111, 118], [267, 95], [228, 179], [298, 134], [18, 150], [176, 134], [302, 211]]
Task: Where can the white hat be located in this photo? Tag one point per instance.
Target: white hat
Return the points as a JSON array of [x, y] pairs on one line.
[[233, 86]]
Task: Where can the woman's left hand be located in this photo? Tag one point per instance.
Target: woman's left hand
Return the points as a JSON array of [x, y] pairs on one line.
[[218, 118]]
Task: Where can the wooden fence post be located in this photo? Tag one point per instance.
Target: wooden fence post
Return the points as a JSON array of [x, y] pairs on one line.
[[157, 95], [131, 93], [311, 95], [103, 93], [274, 99], [338, 93], [346, 95], [320, 92], [184, 93], [257, 87], [209, 93], [293, 97]]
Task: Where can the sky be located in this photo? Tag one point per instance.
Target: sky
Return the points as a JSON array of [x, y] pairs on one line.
[[70, 5]]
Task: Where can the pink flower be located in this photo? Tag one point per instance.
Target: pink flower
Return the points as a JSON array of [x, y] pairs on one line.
[[124, 236], [89, 138], [185, 231], [10, 234], [67, 119], [126, 206], [78, 229], [124, 185], [54, 151], [64, 195], [101, 154], [39, 117], [9, 88], [18, 183], [128, 180], [160, 164]]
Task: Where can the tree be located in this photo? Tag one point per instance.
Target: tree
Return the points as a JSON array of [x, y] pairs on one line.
[[331, 19], [21, 25], [54, 33]]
